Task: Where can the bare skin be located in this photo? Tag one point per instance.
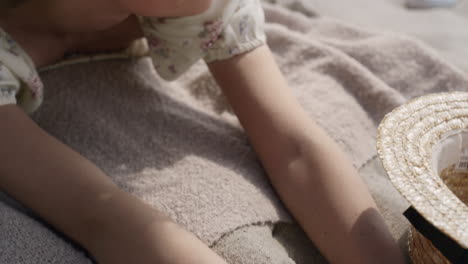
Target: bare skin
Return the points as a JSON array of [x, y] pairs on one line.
[[68, 182], [301, 163]]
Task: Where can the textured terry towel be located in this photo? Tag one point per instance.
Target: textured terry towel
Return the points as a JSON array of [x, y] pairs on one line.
[[285, 243], [442, 28], [176, 145]]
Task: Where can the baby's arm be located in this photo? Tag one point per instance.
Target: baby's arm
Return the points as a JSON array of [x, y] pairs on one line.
[[63, 187], [330, 201], [76, 197]]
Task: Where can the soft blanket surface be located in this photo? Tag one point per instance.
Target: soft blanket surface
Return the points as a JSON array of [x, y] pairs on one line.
[[179, 148]]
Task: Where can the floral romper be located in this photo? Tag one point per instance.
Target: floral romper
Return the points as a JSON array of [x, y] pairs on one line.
[[226, 29]]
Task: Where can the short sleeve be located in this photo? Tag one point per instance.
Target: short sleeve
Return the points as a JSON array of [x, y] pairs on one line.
[[226, 29], [243, 31], [19, 81]]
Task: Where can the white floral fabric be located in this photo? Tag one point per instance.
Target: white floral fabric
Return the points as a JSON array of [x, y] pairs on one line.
[[226, 29], [19, 81]]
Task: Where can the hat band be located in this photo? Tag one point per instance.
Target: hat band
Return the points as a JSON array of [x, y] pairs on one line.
[[447, 246]]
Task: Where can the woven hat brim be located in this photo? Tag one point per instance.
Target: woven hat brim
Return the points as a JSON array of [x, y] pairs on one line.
[[405, 143]]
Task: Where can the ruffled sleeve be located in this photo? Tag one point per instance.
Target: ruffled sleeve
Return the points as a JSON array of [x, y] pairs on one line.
[[226, 29], [19, 82]]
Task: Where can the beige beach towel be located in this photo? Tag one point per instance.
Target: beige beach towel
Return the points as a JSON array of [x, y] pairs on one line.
[[177, 146]]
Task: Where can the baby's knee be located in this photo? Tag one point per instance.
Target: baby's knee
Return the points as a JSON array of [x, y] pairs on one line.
[[165, 8]]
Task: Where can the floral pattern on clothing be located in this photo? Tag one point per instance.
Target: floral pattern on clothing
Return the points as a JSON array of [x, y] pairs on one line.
[[227, 28], [19, 80], [212, 31]]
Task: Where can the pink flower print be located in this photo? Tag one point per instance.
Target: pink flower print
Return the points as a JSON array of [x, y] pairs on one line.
[[172, 69], [211, 32], [153, 41], [213, 26], [35, 82], [35, 85]]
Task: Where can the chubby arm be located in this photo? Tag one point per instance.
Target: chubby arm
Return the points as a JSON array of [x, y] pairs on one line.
[[76, 197], [330, 202]]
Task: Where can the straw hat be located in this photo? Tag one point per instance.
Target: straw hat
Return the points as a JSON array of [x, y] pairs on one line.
[[417, 143]]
